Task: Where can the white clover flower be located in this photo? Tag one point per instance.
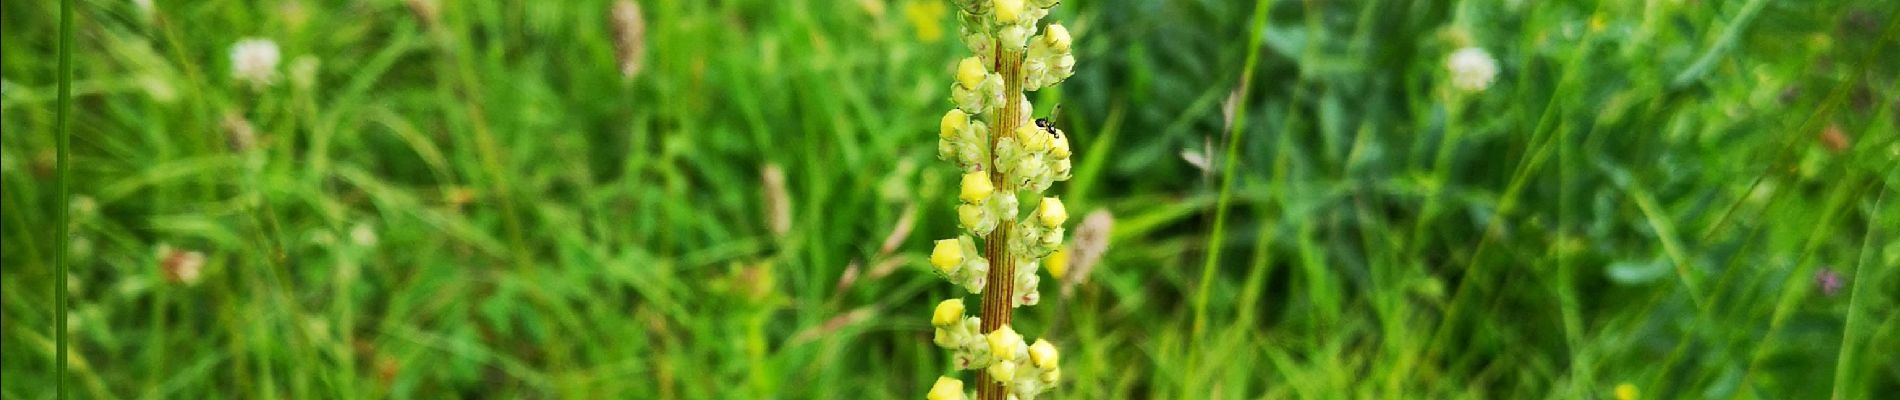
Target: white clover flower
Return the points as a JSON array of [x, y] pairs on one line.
[[180, 266], [254, 62], [363, 235], [1472, 69]]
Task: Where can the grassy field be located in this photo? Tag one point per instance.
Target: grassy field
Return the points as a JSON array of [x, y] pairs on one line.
[[1683, 198]]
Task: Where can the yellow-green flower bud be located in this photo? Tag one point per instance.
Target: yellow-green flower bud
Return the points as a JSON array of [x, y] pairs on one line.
[[1007, 11], [1058, 37], [970, 72], [943, 338], [947, 388], [976, 187], [1059, 147], [1003, 371], [971, 216], [1043, 354], [1057, 262], [1026, 293], [1013, 37], [1051, 212], [947, 256], [1051, 239], [953, 122], [1005, 343], [949, 312], [1034, 140]]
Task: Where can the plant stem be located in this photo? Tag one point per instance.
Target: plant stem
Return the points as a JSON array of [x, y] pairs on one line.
[[63, 175], [1002, 277], [1237, 129], [1856, 314], [62, 160]]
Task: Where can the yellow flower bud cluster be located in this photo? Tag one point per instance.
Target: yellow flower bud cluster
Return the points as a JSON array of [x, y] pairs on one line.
[[977, 88], [1041, 234], [963, 140], [1027, 291], [1036, 239], [983, 207], [1049, 60], [1026, 370], [1033, 157], [961, 334], [959, 261]]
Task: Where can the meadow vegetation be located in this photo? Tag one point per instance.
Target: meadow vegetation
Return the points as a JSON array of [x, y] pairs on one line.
[[738, 199]]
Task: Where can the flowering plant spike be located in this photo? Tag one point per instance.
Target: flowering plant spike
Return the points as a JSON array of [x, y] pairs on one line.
[[1006, 160]]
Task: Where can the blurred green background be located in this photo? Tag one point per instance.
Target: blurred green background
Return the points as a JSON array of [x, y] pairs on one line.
[[1685, 198]]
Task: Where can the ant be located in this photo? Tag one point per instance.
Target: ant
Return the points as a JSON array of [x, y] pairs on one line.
[[1049, 124]]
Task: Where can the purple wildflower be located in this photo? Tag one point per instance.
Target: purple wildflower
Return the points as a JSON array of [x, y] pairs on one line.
[[1829, 281]]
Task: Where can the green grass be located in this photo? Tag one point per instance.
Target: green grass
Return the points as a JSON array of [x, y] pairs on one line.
[[63, 181], [1645, 197]]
